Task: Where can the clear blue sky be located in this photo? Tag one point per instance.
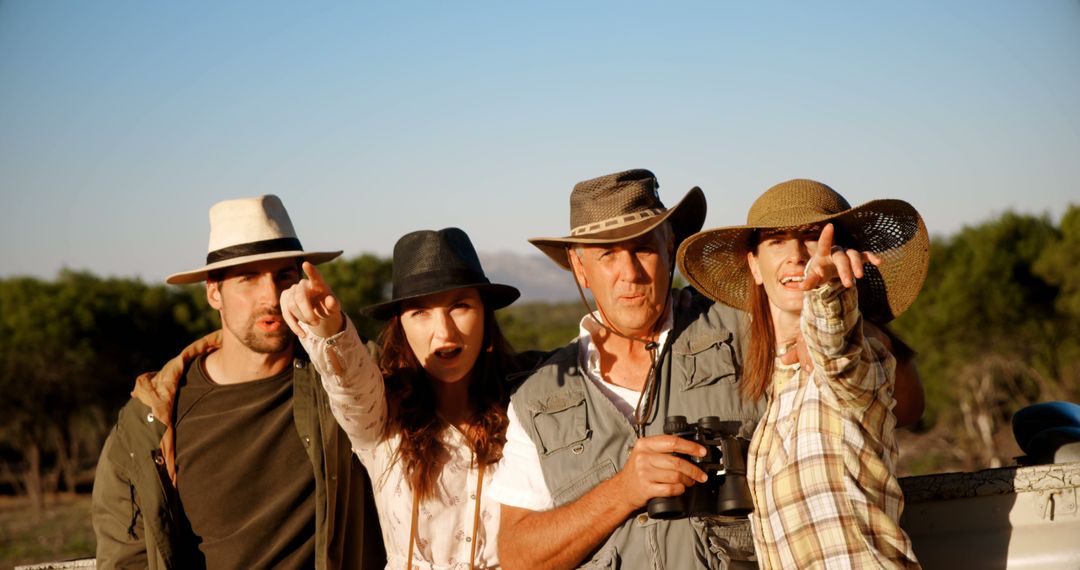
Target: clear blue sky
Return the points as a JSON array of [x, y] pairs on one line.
[[121, 122]]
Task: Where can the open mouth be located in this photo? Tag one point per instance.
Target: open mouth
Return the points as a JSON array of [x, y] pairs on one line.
[[448, 353], [270, 323], [793, 282]]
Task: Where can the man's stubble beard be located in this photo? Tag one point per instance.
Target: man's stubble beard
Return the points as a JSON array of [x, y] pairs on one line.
[[263, 343]]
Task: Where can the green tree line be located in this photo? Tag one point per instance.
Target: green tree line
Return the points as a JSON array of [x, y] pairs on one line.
[[996, 328]]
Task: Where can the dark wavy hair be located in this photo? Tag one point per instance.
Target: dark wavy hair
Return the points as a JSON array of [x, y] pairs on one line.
[[411, 398]]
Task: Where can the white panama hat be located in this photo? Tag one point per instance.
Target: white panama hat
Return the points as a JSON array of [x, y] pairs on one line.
[[247, 230]]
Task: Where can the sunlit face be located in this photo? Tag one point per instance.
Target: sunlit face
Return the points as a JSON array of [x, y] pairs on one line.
[[778, 264], [629, 280], [445, 332], [248, 300]]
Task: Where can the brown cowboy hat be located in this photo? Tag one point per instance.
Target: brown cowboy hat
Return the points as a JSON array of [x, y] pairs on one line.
[[428, 262], [714, 261], [247, 230], [622, 206]]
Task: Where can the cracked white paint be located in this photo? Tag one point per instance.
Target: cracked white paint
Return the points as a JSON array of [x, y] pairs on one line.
[[1010, 517]]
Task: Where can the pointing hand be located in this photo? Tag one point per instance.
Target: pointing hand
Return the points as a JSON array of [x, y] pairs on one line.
[[833, 261], [312, 302]]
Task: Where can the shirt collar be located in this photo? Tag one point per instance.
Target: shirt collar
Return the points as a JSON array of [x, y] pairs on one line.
[[589, 356]]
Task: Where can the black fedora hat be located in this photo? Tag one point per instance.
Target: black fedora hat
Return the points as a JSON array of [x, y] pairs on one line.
[[428, 262]]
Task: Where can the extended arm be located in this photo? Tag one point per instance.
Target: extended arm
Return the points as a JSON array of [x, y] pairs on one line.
[[908, 390], [832, 328], [349, 374]]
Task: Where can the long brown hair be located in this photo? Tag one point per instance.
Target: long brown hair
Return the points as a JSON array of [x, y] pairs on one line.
[[761, 355], [412, 402]]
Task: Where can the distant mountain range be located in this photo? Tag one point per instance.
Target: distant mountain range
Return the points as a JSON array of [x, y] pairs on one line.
[[538, 278]]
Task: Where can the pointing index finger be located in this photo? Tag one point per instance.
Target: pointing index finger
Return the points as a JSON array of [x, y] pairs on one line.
[[314, 276], [825, 242]]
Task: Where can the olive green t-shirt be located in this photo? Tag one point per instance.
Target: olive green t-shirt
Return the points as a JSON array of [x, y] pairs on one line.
[[246, 484]]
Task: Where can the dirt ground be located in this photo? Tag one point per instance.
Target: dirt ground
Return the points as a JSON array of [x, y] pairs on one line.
[[61, 532]]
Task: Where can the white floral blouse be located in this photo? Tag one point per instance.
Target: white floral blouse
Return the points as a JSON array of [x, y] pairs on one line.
[[445, 524]]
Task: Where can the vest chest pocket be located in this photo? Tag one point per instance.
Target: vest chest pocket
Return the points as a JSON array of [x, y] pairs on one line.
[[560, 421], [705, 362]]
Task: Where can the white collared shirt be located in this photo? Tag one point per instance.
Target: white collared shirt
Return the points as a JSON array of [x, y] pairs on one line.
[[519, 479]]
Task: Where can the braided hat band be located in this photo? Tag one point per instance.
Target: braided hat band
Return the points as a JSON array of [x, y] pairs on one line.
[[622, 206]]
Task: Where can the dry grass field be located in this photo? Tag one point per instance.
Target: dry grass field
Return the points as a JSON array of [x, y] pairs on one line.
[[62, 531]]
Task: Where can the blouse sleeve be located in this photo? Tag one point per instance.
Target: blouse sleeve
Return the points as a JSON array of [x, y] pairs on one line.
[[353, 383], [855, 367]]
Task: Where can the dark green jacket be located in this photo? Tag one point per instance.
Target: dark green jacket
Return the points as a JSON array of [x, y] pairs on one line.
[[136, 513], [583, 439]]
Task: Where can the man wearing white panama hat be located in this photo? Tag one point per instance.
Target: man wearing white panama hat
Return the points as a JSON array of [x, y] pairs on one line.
[[233, 459]]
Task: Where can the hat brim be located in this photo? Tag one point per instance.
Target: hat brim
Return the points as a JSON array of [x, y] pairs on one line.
[[200, 274], [714, 261], [686, 218], [495, 296]]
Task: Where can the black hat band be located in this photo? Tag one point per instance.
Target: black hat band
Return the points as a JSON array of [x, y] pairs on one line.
[[254, 248]]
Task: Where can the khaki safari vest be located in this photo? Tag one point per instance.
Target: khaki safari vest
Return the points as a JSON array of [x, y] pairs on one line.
[[583, 439]]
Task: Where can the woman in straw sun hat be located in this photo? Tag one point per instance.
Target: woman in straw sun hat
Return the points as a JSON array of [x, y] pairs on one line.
[[428, 420], [809, 268]]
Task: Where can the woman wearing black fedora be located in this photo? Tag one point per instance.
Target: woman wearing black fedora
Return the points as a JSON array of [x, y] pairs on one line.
[[822, 461], [427, 420]]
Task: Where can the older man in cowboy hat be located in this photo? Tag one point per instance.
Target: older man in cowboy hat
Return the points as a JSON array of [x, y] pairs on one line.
[[233, 459], [586, 449]]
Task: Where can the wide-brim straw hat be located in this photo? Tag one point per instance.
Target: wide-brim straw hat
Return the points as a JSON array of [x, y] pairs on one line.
[[428, 262], [247, 230], [714, 261], [622, 206]]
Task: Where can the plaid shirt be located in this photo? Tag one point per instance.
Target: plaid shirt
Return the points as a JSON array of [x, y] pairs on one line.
[[822, 460]]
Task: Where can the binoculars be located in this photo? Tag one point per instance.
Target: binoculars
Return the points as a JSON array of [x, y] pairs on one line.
[[726, 492]]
